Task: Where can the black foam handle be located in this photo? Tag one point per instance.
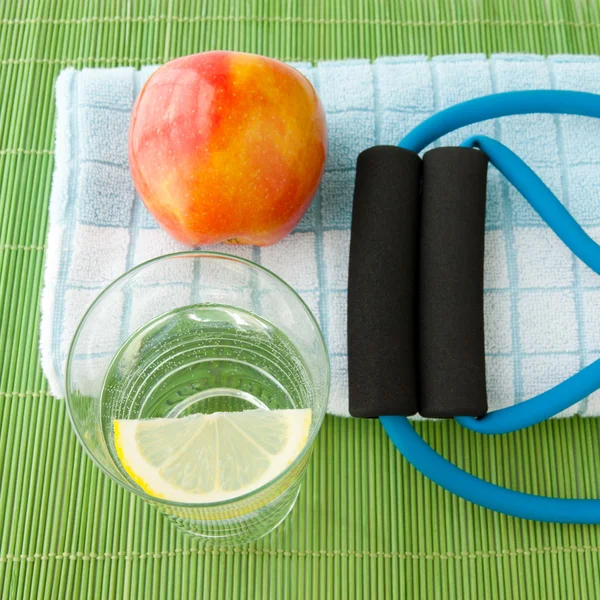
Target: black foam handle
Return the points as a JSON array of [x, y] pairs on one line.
[[451, 337], [382, 283]]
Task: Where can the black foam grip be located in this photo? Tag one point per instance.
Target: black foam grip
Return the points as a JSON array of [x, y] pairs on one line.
[[451, 338], [382, 283]]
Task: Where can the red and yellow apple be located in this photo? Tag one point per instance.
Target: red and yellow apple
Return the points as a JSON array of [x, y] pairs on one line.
[[227, 147]]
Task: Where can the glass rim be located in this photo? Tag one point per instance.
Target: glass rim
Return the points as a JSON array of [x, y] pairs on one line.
[[210, 255]]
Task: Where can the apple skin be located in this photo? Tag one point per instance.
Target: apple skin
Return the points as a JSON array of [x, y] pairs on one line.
[[227, 147]]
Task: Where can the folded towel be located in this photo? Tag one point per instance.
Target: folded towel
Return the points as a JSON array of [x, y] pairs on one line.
[[542, 306]]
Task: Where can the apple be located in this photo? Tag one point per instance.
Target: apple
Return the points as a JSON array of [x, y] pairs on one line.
[[227, 147]]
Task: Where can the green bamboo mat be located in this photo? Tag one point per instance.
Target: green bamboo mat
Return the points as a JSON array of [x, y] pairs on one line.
[[366, 524]]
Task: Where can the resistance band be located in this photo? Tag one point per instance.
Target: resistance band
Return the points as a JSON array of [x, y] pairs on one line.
[[565, 394]]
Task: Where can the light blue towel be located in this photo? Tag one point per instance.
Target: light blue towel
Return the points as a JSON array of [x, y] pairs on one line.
[[542, 306]]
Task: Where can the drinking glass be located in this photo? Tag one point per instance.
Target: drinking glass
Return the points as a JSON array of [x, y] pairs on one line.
[[198, 332]]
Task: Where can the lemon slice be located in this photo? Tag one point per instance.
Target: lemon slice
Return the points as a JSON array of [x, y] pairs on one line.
[[210, 458]]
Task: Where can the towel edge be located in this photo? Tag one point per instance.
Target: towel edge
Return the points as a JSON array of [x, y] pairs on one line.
[[58, 202]]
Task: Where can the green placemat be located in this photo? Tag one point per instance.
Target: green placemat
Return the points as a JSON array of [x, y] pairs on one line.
[[366, 525]]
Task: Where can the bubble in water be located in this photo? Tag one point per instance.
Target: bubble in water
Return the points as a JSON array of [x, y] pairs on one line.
[[203, 358]]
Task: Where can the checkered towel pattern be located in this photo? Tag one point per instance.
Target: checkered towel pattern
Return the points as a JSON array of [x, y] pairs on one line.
[[542, 306]]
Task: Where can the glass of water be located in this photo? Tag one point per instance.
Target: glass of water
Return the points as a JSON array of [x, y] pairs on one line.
[[189, 335]]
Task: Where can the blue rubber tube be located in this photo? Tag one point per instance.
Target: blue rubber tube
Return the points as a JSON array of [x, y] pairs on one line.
[[574, 389], [510, 502], [541, 199], [500, 105], [547, 205]]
